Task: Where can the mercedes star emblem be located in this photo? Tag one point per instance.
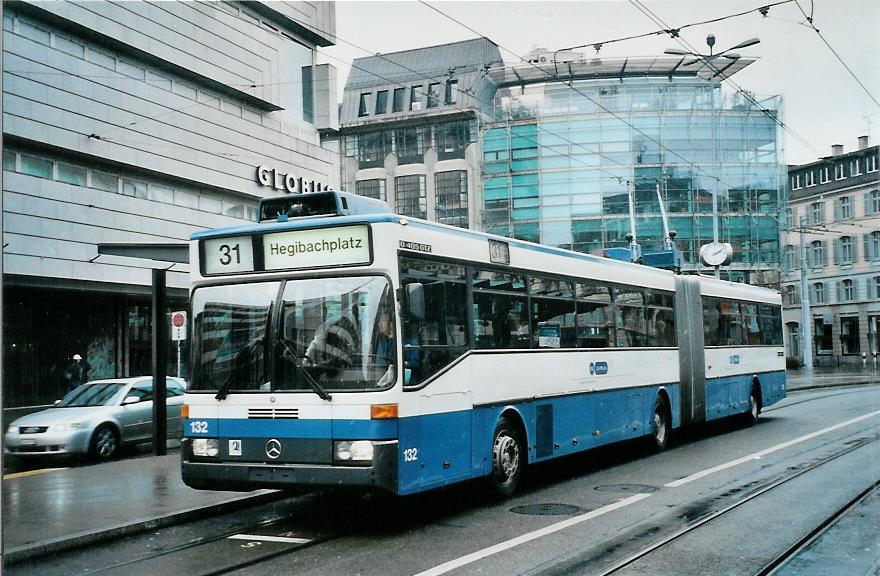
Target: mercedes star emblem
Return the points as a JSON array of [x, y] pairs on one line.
[[273, 448]]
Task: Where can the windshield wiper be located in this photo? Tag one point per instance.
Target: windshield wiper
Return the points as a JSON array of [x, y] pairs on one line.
[[223, 390], [315, 385]]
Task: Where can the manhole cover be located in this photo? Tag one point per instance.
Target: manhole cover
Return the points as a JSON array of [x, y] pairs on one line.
[[547, 509], [627, 488]]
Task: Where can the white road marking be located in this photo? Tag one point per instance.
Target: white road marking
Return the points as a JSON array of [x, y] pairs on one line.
[[501, 547], [262, 538], [762, 453]]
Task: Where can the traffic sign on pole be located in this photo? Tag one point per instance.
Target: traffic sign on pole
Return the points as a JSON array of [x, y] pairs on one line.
[[178, 326]]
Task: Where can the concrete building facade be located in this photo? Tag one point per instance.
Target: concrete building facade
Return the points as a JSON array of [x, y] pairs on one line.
[[409, 126], [141, 122], [835, 202]]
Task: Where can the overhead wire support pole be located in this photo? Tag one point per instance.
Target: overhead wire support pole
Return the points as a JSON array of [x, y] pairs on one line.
[[806, 331]]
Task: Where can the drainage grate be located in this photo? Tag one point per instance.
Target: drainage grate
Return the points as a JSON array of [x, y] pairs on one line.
[[627, 488], [547, 509]]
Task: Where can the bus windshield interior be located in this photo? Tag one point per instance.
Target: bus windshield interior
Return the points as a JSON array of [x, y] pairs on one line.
[[312, 334]]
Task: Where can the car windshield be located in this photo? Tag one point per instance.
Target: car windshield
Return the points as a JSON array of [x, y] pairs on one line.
[[97, 394], [327, 334]]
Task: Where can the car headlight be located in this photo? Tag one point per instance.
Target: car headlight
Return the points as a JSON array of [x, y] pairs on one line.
[[12, 429], [68, 427], [354, 451], [205, 447]]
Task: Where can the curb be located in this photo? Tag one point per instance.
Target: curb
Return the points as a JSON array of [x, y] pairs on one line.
[[842, 384], [67, 543]]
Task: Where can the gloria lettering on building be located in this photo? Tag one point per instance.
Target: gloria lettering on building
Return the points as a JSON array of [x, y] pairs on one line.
[[290, 182]]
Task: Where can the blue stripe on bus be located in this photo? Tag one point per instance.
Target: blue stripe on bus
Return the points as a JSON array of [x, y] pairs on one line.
[[255, 428], [729, 395]]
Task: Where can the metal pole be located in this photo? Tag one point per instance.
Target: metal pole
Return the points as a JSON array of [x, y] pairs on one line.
[[715, 166], [806, 329], [160, 359], [178, 358]]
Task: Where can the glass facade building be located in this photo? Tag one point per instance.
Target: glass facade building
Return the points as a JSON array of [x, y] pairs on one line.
[[561, 158]]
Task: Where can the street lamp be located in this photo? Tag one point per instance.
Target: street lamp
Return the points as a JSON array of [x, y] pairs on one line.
[[710, 59]]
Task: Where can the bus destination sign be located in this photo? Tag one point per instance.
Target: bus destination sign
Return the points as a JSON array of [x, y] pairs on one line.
[[345, 245]]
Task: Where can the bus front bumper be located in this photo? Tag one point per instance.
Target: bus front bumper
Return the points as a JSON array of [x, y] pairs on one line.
[[208, 474]]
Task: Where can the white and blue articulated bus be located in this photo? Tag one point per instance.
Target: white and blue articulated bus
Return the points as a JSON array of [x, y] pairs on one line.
[[335, 344]]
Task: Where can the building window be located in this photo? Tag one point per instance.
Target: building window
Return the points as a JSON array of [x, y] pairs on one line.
[[845, 291], [451, 92], [415, 98], [107, 182], [824, 175], [452, 139], [872, 246], [817, 253], [381, 101], [34, 166], [410, 197], [823, 337], [71, 174], [872, 202], [372, 189], [796, 182], [849, 335], [364, 108], [409, 144], [136, 189], [817, 213], [877, 287], [398, 99], [871, 163], [843, 208], [818, 293], [790, 296], [846, 250], [810, 178], [788, 221], [789, 258], [854, 167], [433, 94], [452, 198], [372, 147], [839, 174]]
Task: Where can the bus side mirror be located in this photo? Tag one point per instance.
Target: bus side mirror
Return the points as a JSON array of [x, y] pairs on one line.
[[414, 302]]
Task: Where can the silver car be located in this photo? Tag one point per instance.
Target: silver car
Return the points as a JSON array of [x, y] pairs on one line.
[[95, 419]]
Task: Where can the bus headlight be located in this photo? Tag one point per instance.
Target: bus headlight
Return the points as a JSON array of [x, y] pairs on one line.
[[354, 451], [205, 447]]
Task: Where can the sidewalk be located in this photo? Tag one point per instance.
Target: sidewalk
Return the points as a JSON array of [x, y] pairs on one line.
[[50, 511], [824, 376]]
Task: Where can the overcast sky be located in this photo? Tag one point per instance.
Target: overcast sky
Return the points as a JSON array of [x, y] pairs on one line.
[[823, 103]]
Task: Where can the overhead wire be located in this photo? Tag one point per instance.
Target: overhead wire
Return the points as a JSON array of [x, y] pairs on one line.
[[833, 51], [744, 93]]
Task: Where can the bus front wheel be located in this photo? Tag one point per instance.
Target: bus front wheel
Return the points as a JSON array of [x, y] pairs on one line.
[[508, 459]]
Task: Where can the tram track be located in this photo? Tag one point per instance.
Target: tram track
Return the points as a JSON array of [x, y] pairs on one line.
[[753, 494], [780, 561]]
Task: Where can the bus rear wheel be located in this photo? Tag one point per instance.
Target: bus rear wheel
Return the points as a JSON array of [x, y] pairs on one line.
[[751, 416], [662, 424], [508, 460]]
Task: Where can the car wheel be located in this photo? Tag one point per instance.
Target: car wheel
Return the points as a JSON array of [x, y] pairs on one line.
[[662, 425], [508, 460], [105, 443]]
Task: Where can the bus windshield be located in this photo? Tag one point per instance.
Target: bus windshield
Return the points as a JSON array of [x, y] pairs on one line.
[[327, 334]]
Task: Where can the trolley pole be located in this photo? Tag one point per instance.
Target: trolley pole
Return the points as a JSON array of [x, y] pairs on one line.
[[806, 331]]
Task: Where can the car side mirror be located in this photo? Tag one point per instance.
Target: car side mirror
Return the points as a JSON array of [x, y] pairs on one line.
[[131, 400]]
